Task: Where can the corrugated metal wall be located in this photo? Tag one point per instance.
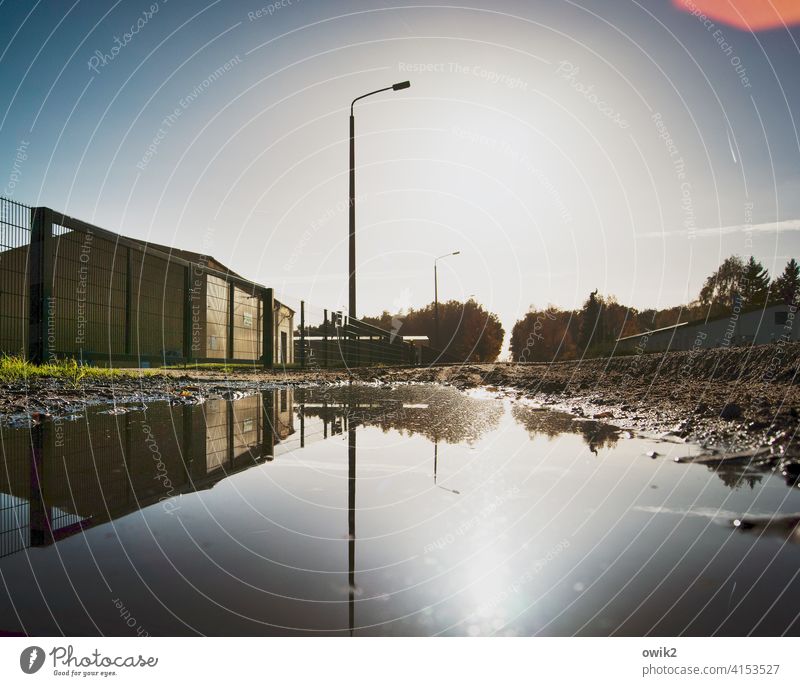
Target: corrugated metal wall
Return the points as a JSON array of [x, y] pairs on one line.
[[246, 325], [88, 289], [158, 295], [217, 301]]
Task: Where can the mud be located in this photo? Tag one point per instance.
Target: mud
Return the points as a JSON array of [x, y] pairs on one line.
[[733, 401]]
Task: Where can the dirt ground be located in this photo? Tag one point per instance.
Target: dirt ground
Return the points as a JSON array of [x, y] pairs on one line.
[[728, 399]]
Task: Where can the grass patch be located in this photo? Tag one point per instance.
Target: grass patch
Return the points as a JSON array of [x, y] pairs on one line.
[[14, 368]]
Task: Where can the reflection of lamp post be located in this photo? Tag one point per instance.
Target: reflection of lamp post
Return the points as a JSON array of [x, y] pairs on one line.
[[436, 292], [395, 87], [436, 468], [351, 523]]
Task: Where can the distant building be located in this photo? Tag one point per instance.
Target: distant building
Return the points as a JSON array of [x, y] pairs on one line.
[[754, 327]]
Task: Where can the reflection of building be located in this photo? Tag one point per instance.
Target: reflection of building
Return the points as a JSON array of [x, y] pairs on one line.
[[284, 414], [56, 482], [439, 414], [767, 325]]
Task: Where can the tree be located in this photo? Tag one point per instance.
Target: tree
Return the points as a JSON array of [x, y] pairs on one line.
[[544, 335], [467, 332], [619, 320], [591, 325], [787, 286], [755, 283], [723, 286]]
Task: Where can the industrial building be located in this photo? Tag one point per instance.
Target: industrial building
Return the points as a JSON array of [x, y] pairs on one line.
[[71, 289], [765, 324]]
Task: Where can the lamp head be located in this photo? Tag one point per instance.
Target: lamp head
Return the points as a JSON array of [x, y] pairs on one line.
[[401, 86]]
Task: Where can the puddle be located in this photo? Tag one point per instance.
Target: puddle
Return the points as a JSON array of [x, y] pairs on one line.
[[414, 510]]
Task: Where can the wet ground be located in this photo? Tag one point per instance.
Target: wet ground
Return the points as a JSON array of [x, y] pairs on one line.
[[380, 510]]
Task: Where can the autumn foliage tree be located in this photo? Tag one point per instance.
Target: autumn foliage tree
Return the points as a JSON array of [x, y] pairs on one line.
[[467, 332], [545, 335], [553, 333], [720, 288]]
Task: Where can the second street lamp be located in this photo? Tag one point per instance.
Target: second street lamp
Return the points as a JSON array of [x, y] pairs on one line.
[[436, 293], [395, 87]]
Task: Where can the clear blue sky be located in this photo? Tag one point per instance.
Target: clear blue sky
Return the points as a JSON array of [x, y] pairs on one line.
[[532, 139]]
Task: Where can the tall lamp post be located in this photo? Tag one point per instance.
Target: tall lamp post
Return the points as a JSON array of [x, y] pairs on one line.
[[436, 291], [395, 87]]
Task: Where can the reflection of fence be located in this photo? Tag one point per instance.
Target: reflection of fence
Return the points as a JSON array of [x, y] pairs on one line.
[[58, 482]]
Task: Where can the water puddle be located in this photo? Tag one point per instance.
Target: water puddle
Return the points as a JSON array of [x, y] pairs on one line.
[[370, 510]]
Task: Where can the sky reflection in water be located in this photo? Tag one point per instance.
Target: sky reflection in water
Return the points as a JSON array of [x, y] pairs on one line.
[[414, 510]]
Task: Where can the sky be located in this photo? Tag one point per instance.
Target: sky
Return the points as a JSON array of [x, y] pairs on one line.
[[561, 146]]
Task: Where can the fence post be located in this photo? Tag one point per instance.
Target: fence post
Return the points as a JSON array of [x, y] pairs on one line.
[[338, 328], [230, 350], [268, 327], [303, 333], [187, 445], [268, 424], [325, 338], [40, 513], [357, 347], [344, 339], [187, 313], [230, 423], [41, 313], [128, 301]]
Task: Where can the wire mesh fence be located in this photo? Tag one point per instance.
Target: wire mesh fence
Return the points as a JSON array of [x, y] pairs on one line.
[[15, 240], [69, 289]]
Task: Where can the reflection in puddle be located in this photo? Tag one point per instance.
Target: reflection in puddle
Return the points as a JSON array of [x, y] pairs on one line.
[[414, 510], [786, 527], [549, 423]]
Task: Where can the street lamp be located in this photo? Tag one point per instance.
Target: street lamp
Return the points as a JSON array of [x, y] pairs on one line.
[[436, 291], [395, 87]]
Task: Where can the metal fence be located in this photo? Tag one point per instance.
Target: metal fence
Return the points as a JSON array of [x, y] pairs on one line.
[[69, 289], [15, 239]]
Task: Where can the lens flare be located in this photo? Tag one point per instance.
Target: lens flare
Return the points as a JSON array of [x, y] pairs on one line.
[[746, 15]]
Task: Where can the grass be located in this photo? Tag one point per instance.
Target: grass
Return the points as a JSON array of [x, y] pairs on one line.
[[13, 368]]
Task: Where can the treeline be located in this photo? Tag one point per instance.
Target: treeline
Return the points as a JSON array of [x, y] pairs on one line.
[[467, 332], [553, 333]]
